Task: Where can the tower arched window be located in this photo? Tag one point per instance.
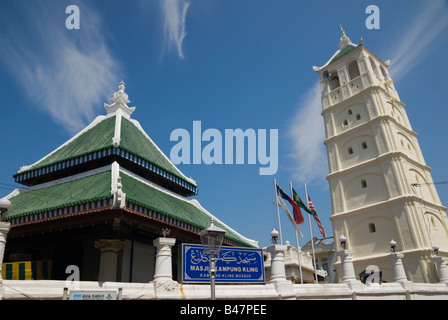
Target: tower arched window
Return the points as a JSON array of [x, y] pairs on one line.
[[363, 184], [353, 70], [358, 116], [372, 228], [333, 80], [350, 151], [364, 145]]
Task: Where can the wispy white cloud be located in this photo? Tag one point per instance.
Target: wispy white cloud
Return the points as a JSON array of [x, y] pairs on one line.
[[68, 73], [306, 131], [174, 13], [307, 134], [420, 37]]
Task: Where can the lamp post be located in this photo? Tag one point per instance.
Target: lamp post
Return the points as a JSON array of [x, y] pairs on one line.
[[274, 236], [211, 239], [343, 241], [5, 204], [393, 245]]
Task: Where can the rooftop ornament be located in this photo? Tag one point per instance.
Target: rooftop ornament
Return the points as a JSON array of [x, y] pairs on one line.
[[120, 101]]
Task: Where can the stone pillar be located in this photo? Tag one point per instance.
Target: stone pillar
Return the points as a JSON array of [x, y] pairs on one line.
[[4, 229], [397, 267], [108, 263], [441, 268], [164, 269], [347, 268], [277, 262]]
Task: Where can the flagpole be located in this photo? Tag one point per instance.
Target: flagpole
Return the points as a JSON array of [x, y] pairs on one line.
[[297, 241], [278, 212], [311, 235]]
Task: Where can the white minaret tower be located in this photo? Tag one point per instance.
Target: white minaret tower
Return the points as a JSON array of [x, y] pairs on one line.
[[381, 188]]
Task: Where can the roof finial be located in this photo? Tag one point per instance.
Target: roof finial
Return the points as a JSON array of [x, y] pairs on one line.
[[120, 99], [344, 39]]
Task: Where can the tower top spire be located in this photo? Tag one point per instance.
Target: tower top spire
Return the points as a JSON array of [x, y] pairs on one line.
[[120, 101], [344, 41]]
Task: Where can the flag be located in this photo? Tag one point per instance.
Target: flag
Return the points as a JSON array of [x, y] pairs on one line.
[[298, 217], [313, 209], [299, 202], [279, 195]]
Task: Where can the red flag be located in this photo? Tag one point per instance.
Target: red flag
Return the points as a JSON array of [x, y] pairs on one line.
[[316, 218], [298, 217]]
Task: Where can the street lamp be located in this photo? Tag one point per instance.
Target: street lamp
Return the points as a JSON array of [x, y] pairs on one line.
[[436, 249], [211, 239], [393, 245], [343, 241], [274, 236], [4, 206]]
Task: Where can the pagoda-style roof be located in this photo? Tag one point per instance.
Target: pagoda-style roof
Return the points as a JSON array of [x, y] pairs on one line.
[[109, 171], [115, 136], [112, 187]]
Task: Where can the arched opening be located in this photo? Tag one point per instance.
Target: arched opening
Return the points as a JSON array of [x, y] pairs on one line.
[[353, 70], [372, 228], [350, 151], [333, 80]]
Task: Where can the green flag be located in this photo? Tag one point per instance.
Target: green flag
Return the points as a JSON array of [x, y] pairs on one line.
[[299, 202]]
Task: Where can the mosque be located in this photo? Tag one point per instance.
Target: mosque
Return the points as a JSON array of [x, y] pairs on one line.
[[108, 200]]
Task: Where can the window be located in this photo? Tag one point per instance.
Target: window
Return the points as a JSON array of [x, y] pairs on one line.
[[358, 116], [363, 184], [364, 145], [353, 70], [372, 228], [349, 111], [350, 151], [345, 123], [333, 80]]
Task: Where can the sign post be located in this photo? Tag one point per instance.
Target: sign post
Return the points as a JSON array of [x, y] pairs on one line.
[[233, 265]]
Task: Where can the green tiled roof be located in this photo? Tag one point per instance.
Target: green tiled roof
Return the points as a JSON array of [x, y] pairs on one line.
[[91, 188], [141, 194], [135, 142], [99, 137], [342, 53], [98, 187]]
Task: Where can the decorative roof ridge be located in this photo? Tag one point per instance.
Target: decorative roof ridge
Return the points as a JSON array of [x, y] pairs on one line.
[[140, 128], [344, 42], [61, 180], [97, 120], [193, 202], [120, 101]]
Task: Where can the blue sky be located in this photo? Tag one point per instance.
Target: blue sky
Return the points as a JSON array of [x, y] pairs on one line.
[[229, 64]]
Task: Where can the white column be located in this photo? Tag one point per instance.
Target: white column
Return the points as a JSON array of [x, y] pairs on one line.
[[163, 270], [441, 268], [348, 270], [397, 267], [277, 262], [4, 229], [108, 262]]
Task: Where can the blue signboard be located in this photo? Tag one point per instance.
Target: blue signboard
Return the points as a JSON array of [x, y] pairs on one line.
[[233, 265]]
